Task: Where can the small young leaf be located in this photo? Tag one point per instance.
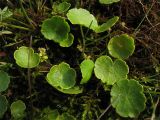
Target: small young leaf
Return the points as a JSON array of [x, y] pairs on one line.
[[108, 1], [56, 29], [82, 17], [128, 98], [66, 116], [26, 58], [86, 70], [68, 42], [49, 114], [121, 46], [73, 90], [62, 7], [3, 105], [18, 109], [62, 76], [4, 81], [5, 13], [106, 26], [110, 72]]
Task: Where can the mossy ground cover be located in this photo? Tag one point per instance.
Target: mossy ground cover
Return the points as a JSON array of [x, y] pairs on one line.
[[137, 18]]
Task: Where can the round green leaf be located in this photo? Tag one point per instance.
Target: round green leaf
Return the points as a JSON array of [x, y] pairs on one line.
[[55, 28], [82, 17], [86, 70], [106, 26], [18, 109], [68, 42], [4, 81], [49, 114], [127, 98], [110, 72], [3, 105], [26, 58], [121, 46], [108, 1], [73, 90], [62, 76]]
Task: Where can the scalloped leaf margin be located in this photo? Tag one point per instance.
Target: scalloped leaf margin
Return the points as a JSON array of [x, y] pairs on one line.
[[110, 72], [26, 58], [127, 98]]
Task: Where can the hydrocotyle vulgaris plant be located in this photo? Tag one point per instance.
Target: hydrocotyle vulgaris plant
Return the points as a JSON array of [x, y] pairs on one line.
[[87, 71], [60, 7], [85, 18], [63, 78], [110, 72], [26, 58], [86, 67], [57, 29], [18, 109], [127, 98], [121, 46], [127, 95]]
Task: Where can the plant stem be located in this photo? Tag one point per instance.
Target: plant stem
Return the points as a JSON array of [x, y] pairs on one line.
[[83, 41], [88, 29], [104, 112], [153, 92], [154, 110], [95, 40], [20, 22], [29, 82], [15, 26]]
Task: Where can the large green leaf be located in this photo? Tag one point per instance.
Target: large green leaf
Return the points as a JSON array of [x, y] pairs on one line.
[[106, 26], [82, 17], [121, 46], [3, 105], [26, 58], [55, 28], [62, 76], [128, 98], [18, 109], [4, 81], [86, 70], [85, 18], [110, 72], [108, 1]]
